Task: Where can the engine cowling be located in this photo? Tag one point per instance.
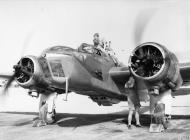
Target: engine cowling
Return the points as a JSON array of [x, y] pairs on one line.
[[28, 72], [156, 65]]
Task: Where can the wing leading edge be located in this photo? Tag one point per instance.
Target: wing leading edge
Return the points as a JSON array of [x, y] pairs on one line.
[[119, 74]]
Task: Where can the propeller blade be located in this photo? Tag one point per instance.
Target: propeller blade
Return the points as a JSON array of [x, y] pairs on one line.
[[26, 43], [141, 23], [16, 67], [11, 79]]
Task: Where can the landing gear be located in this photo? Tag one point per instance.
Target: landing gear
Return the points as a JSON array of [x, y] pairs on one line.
[[160, 110], [158, 118], [45, 117], [52, 118]]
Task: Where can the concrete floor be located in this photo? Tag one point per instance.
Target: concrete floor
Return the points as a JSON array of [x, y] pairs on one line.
[[80, 118]]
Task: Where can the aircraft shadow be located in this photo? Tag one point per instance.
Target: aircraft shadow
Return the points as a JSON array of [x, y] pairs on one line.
[[78, 120]]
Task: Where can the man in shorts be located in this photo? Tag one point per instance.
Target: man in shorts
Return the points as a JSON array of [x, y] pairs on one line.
[[133, 101]]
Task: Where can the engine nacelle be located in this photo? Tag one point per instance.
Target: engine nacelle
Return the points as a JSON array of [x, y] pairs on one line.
[[28, 72], [156, 65]]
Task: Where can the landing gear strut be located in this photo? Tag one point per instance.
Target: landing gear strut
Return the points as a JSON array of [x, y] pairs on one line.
[[45, 117], [160, 110]]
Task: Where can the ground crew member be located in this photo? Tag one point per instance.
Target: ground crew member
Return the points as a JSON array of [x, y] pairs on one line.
[[133, 101]]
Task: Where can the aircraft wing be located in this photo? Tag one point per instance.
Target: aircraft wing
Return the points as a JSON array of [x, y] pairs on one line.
[[185, 73], [6, 75], [181, 91], [120, 74]]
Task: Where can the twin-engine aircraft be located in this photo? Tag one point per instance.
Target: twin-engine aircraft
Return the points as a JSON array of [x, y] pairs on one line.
[[91, 72]]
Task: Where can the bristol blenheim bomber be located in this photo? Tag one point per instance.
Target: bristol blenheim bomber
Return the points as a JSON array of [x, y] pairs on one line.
[[91, 72]]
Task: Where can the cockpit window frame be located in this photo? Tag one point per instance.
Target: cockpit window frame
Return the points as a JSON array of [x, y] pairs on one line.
[[94, 51], [84, 45], [88, 49], [56, 63]]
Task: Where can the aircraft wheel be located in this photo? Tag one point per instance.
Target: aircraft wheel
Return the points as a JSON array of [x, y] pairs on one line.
[[52, 117]]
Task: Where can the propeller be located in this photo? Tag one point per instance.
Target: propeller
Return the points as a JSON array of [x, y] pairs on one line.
[[18, 69], [10, 80], [22, 73]]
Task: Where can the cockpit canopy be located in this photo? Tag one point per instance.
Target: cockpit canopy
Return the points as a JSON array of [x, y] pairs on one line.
[[84, 48], [59, 50]]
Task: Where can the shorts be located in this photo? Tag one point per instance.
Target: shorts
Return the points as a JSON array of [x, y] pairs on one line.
[[133, 100]]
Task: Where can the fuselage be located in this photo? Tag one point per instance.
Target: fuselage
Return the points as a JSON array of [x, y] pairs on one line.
[[87, 71]]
